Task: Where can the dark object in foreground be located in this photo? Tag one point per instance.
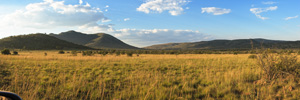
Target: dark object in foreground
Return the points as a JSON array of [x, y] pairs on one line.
[[9, 96]]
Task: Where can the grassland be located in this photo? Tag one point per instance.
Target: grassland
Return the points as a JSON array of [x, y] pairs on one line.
[[33, 75]]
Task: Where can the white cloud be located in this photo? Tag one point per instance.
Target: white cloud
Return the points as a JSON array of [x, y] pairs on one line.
[[96, 28], [126, 19], [175, 7], [80, 2], [258, 11], [269, 2], [144, 37], [51, 14], [55, 16], [215, 11], [147, 37], [288, 18], [107, 6]]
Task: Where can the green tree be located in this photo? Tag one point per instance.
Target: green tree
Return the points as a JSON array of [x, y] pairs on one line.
[[61, 52], [5, 52]]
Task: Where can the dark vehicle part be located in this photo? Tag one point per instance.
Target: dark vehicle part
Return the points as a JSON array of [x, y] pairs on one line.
[[9, 96]]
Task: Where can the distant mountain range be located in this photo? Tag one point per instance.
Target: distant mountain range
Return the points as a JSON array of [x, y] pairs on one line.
[[230, 44], [97, 41], [38, 42], [72, 40]]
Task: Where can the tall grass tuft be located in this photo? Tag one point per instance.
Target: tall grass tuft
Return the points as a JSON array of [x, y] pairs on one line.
[[276, 66]]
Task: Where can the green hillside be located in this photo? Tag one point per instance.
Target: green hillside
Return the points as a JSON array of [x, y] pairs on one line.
[[99, 40], [230, 44], [38, 42]]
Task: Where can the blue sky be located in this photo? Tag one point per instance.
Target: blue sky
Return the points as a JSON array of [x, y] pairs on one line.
[[147, 22]]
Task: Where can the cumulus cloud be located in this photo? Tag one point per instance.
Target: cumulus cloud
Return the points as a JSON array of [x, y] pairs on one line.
[[56, 15], [258, 11], [80, 2], [96, 28], [215, 11], [269, 2], [51, 14], [175, 7], [147, 37], [143, 38], [126, 19], [288, 18]]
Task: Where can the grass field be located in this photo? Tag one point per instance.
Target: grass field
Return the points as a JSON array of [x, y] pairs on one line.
[[35, 76]]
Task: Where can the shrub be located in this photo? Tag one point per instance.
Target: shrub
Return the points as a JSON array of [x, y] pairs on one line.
[[235, 53], [61, 52], [15, 53], [276, 66], [104, 53], [5, 52], [87, 53], [118, 53], [129, 54], [252, 56]]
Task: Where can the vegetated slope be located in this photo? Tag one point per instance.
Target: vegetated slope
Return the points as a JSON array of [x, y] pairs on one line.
[[230, 44], [99, 40], [38, 42]]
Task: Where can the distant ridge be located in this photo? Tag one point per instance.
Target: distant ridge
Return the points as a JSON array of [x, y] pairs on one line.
[[98, 41], [38, 42], [230, 44]]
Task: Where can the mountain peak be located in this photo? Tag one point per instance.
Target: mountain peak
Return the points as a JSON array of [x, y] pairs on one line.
[[98, 40], [71, 32]]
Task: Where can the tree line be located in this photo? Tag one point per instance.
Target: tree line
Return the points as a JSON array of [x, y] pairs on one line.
[[177, 52]]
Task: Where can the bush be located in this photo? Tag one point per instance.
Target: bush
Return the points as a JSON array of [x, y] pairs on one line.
[[5, 52], [104, 53], [276, 66], [87, 53], [118, 53], [61, 52], [129, 54], [15, 53], [235, 53], [252, 57]]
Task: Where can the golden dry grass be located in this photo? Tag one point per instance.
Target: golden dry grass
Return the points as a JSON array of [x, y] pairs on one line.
[[33, 75]]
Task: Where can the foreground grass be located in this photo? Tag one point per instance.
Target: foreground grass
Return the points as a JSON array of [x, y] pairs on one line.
[[55, 76]]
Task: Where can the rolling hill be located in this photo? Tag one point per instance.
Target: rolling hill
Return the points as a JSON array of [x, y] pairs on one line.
[[38, 42], [230, 44], [98, 41]]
